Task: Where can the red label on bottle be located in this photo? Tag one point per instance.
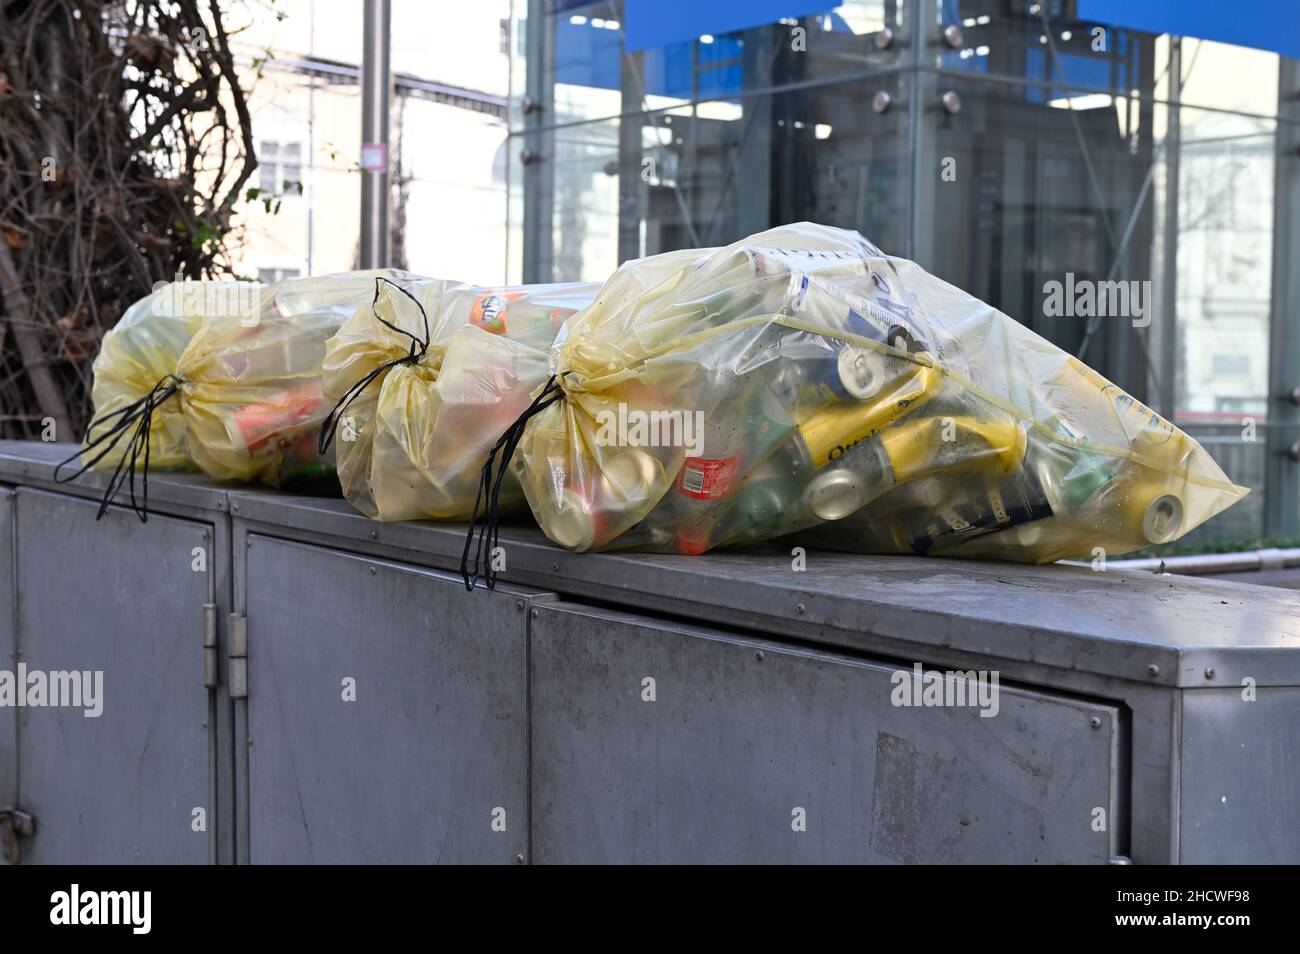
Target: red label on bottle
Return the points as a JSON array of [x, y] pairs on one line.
[[705, 478], [275, 419], [689, 544]]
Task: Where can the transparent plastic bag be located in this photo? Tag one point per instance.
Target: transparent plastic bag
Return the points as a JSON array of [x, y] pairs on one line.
[[426, 381], [142, 348], [250, 389], [222, 376], [803, 379]]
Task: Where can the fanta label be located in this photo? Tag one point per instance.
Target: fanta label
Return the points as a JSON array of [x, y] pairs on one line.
[[489, 310]]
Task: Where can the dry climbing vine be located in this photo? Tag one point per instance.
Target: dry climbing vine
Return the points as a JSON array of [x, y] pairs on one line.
[[125, 143]]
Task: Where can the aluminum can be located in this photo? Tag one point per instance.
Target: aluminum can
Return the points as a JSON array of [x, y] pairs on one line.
[[575, 523], [828, 433]]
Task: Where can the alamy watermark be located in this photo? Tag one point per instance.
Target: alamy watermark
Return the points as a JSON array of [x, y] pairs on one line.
[[1089, 299], [218, 299], [128, 908], [930, 688], [59, 688], [632, 427]]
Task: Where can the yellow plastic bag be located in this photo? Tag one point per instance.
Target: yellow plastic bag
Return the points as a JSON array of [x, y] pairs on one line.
[[140, 350], [250, 391], [801, 378], [241, 400], [426, 381]]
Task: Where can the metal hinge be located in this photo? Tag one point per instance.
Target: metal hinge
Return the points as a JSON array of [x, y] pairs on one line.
[[210, 645], [238, 653], [14, 822]]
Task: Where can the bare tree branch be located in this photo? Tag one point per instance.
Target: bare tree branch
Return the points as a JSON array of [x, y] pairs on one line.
[[125, 144]]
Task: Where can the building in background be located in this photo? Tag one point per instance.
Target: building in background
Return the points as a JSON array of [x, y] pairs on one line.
[[1003, 144], [451, 68]]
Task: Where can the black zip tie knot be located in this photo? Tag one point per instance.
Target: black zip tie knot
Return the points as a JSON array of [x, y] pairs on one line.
[[489, 491], [417, 350], [140, 414]]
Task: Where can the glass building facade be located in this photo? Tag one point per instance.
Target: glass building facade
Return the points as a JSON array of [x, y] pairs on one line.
[[1002, 144]]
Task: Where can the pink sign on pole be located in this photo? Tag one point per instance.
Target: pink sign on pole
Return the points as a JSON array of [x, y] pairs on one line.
[[374, 156]]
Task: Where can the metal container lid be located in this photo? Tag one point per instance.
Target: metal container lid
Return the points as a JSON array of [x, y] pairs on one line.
[[836, 493], [764, 502], [861, 371], [573, 524], [1163, 517], [630, 474]]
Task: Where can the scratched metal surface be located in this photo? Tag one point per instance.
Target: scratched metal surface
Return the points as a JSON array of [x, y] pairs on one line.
[[422, 756], [653, 744], [1112, 623], [120, 597], [33, 463]]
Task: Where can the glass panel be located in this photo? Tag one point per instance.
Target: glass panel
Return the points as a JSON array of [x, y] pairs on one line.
[[595, 78], [1013, 40], [710, 174], [585, 217], [1218, 76], [1001, 39], [587, 60], [1225, 251], [1032, 200], [1224, 274], [1022, 196], [518, 61]]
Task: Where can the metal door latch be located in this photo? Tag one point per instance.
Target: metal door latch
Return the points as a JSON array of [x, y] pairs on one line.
[[13, 823]]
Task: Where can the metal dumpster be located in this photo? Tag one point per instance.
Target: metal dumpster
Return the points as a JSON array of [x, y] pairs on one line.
[[758, 707]]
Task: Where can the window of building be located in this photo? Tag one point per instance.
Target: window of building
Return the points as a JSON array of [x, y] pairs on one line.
[[279, 163]]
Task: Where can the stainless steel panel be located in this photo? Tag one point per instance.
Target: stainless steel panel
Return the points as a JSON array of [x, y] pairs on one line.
[[1240, 799], [430, 760], [744, 733], [1149, 629], [123, 598], [8, 652], [32, 463]]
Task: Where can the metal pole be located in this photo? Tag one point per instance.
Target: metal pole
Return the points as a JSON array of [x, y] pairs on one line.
[[1167, 357], [376, 94], [921, 20], [537, 151], [1282, 469], [309, 161]]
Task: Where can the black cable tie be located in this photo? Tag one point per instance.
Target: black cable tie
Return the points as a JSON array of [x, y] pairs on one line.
[[489, 491], [417, 350], [140, 415]]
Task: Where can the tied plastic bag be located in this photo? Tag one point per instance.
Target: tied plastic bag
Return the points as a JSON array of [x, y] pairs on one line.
[[143, 348], [801, 378], [426, 381], [242, 401], [251, 391]]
